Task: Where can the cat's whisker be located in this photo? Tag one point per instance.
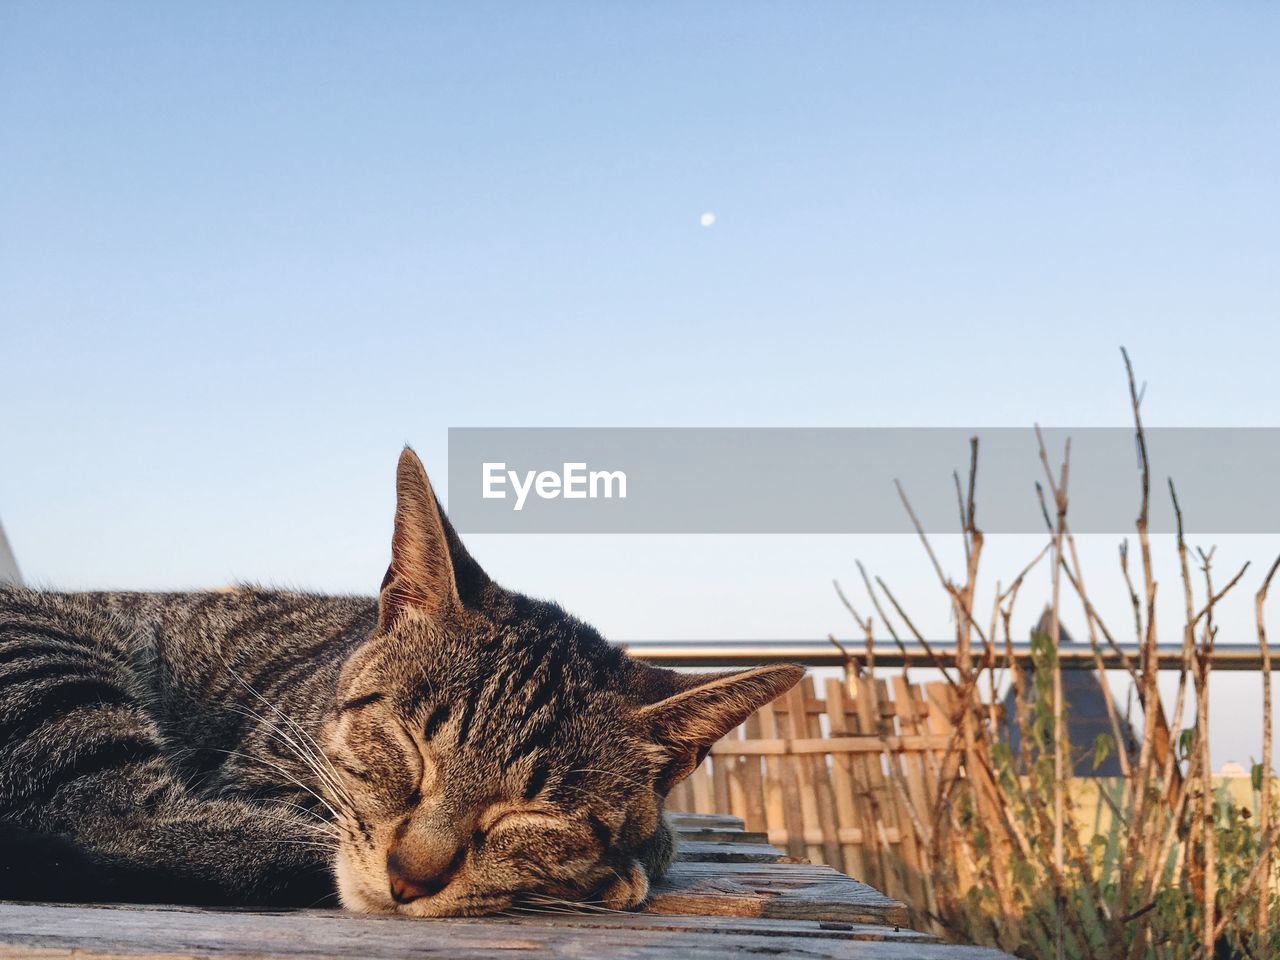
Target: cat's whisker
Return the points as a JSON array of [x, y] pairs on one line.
[[305, 812], [275, 730], [315, 831], [304, 756], [325, 838], [283, 772], [307, 756], [322, 765], [326, 830], [570, 906]]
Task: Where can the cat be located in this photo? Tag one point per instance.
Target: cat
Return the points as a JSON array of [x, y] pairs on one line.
[[449, 748]]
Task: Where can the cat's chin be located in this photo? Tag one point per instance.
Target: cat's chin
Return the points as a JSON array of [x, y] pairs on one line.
[[357, 901], [358, 897], [353, 895]]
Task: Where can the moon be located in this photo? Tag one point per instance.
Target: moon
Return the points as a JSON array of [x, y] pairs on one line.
[[708, 219]]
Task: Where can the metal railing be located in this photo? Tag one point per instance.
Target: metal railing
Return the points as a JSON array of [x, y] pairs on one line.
[[810, 653]]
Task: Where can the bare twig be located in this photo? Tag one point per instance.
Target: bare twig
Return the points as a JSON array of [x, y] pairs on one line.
[[865, 625], [1060, 746], [1210, 834], [1150, 694], [1264, 812], [937, 567]]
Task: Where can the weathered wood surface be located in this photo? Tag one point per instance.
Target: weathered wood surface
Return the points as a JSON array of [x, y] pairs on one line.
[[46, 932], [780, 891], [767, 887], [717, 903], [719, 835], [720, 851], [685, 822]]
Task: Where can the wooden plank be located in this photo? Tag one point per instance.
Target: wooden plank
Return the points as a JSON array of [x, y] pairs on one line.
[[681, 797], [864, 801], [855, 835], [947, 763], [788, 746], [710, 851], [704, 821], [913, 717], [842, 786], [805, 790], [832, 852], [823, 929], [735, 787], [720, 774], [941, 721], [909, 717], [56, 932], [783, 819], [782, 891], [722, 836], [883, 809], [771, 873], [700, 781], [753, 780], [913, 854], [930, 760], [909, 848]]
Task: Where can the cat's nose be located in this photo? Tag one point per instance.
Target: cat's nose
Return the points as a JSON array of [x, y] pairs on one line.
[[408, 885], [406, 891]]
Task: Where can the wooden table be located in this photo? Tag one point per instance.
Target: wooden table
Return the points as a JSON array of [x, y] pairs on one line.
[[731, 894]]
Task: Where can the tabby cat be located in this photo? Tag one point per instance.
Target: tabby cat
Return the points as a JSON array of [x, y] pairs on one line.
[[450, 748]]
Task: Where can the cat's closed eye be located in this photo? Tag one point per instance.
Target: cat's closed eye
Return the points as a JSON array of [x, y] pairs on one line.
[[521, 817], [358, 702], [364, 776]]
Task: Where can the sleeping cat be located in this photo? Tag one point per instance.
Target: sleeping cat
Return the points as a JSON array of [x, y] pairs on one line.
[[450, 748]]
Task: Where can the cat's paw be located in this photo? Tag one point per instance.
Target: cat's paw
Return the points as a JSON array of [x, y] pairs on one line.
[[629, 891]]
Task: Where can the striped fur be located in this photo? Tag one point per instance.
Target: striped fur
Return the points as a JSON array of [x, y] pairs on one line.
[[448, 748]]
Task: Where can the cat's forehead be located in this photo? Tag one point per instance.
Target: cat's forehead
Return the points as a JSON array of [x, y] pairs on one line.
[[534, 695], [518, 644]]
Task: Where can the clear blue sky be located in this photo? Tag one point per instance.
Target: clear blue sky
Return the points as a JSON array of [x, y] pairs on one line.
[[247, 250]]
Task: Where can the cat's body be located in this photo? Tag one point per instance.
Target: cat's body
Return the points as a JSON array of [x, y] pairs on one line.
[[448, 748], [218, 669], [163, 702]]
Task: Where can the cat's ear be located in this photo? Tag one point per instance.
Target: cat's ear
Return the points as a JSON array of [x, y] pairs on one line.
[[430, 570], [686, 724]]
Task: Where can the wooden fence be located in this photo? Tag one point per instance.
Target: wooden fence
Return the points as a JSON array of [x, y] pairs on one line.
[[844, 779]]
